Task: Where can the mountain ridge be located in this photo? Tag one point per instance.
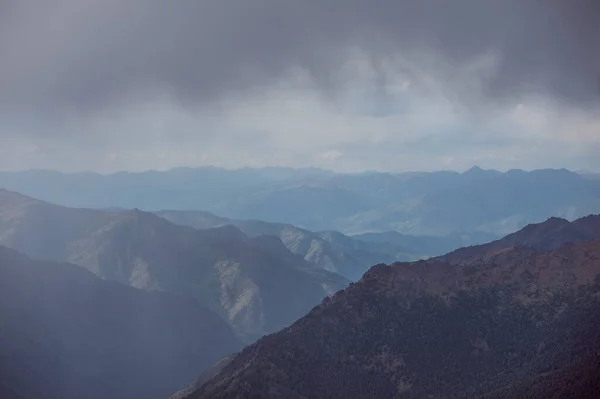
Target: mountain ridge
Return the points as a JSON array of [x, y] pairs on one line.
[[546, 235], [415, 203], [328, 250], [400, 332], [254, 283]]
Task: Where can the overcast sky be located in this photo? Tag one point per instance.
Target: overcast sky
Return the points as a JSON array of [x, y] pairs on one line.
[[348, 85]]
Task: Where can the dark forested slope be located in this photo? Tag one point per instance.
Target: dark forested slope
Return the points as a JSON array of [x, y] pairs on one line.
[[431, 329]]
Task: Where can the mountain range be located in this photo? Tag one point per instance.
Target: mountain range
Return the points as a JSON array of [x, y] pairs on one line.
[[471, 204], [331, 250], [255, 283], [488, 321], [498, 317], [65, 333]]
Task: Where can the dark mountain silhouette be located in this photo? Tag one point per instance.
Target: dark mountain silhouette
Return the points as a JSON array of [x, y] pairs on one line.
[[435, 204], [65, 333], [432, 329], [255, 283]]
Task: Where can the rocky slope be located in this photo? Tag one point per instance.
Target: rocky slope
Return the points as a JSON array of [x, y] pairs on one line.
[[431, 329], [65, 333], [255, 283]]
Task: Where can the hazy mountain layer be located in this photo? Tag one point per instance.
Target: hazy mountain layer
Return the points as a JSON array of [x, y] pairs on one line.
[[432, 329], [439, 203], [349, 256], [329, 250], [65, 333], [255, 283], [426, 246]]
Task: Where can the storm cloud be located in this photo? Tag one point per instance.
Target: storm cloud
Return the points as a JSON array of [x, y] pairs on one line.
[[100, 77]]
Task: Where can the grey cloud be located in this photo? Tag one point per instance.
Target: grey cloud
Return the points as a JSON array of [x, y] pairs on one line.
[[85, 54]]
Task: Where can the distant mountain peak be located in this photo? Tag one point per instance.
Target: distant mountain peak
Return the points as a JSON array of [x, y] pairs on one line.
[[556, 219], [478, 171], [475, 169]]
